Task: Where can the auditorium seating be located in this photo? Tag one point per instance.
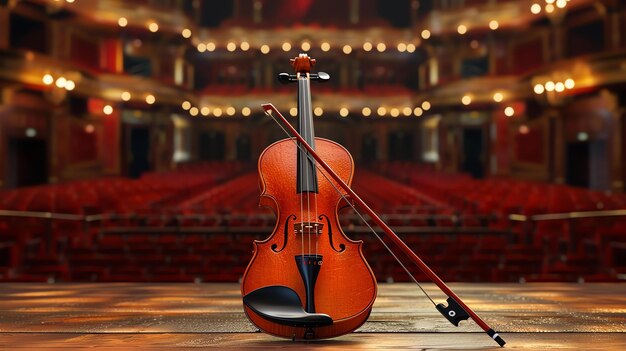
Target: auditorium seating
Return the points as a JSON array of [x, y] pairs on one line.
[[198, 223]]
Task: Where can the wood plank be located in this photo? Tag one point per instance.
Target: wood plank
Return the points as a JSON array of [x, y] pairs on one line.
[[179, 315]]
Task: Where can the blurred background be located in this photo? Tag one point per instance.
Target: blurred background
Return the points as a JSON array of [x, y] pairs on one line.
[[489, 134]]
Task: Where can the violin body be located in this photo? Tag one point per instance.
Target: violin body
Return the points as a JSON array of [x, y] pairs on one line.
[[344, 287]]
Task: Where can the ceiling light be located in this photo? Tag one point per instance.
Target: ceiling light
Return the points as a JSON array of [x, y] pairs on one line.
[[425, 34], [122, 22], [498, 97], [186, 33], [107, 109], [286, 46], [367, 46], [347, 49], [150, 99], [366, 111], [325, 46], [493, 25], [186, 105], [265, 49]]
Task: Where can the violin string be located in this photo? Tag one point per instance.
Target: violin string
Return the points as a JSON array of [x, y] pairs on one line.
[[314, 164], [301, 219], [308, 193], [357, 212]]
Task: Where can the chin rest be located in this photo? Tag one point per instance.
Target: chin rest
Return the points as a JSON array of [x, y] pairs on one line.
[[282, 305]]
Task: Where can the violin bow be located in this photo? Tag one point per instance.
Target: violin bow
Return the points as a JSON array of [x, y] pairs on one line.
[[456, 310]]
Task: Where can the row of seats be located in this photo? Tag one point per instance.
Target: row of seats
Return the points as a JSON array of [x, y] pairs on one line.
[[180, 226]]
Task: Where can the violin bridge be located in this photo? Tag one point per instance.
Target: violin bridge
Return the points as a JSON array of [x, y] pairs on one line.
[[308, 228]]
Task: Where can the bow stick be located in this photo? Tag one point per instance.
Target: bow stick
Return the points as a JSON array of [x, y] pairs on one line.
[[456, 310]]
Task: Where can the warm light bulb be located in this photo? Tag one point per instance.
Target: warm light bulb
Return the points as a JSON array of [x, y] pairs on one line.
[[343, 112], [402, 47], [205, 111], [535, 9], [286, 46], [125, 96], [231, 46], [122, 22], [210, 46], [70, 85], [569, 83], [153, 27], [425, 34], [150, 99], [493, 25], [293, 111], [246, 111], [305, 46], [202, 47], [47, 79], [265, 49], [561, 3], [381, 111], [186, 33], [217, 112], [366, 111], [347, 49], [550, 86], [410, 48], [107, 109], [230, 111], [381, 47], [325, 47], [367, 46], [559, 87], [509, 111], [418, 111], [60, 83], [549, 8], [186, 105], [426, 105], [462, 29], [318, 111], [407, 111], [394, 112], [193, 111], [539, 89], [244, 46], [498, 97], [466, 100]]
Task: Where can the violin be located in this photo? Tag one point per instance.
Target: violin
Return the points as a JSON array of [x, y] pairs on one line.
[[307, 280], [270, 302]]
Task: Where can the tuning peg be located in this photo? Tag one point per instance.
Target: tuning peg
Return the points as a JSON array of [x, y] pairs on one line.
[[286, 78], [321, 76]]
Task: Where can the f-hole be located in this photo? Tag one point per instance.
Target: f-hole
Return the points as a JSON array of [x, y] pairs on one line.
[[285, 234]]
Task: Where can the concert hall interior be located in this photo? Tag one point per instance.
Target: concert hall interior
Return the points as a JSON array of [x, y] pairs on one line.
[[489, 135]]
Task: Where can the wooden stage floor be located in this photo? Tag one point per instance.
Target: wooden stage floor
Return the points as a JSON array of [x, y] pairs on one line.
[[191, 316]]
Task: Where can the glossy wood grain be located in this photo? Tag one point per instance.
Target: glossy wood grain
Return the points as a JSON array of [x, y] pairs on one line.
[[182, 316]]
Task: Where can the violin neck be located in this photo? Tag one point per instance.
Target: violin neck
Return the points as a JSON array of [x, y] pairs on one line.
[[307, 174]]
